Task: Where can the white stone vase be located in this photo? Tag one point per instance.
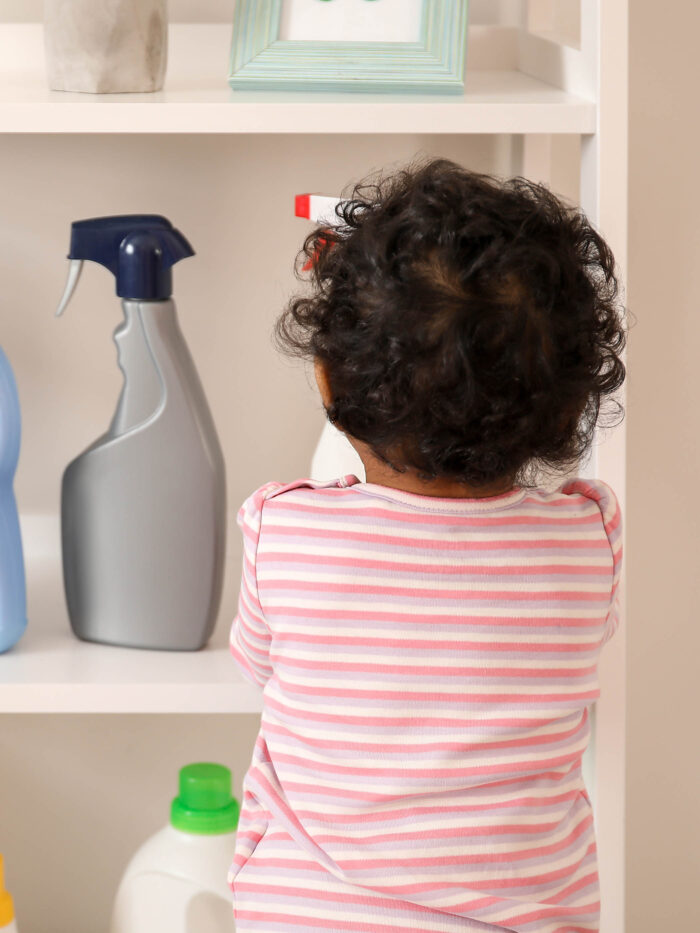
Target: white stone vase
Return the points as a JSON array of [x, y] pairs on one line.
[[106, 46]]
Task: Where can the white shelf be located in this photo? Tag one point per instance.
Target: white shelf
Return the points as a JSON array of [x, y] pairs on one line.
[[51, 671], [197, 98]]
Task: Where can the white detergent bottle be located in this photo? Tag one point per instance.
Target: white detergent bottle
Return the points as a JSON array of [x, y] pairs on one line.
[[334, 455], [7, 910], [177, 881]]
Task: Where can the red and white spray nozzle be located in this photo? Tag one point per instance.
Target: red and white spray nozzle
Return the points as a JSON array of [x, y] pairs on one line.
[[317, 207], [320, 209]]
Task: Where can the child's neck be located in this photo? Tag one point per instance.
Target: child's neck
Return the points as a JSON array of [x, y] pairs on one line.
[[381, 474]]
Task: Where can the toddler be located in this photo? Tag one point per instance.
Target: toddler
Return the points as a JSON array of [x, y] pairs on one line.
[[428, 640]]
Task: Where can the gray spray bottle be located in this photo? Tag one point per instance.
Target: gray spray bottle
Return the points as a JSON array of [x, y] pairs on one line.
[[143, 509]]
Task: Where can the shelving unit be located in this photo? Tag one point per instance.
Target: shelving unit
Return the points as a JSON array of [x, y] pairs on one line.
[[197, 99], [54, 672], [524, 81]]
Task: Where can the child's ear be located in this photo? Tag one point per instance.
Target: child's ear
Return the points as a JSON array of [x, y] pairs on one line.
[[323, 382]]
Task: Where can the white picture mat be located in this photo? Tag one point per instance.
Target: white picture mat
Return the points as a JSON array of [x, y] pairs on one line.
[[351, 20]]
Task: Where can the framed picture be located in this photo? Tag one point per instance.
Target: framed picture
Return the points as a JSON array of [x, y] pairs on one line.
[[416, 46]]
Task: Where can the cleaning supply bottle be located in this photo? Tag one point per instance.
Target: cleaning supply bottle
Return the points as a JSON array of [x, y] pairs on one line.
[[7, 909], [13, 596], [176, 882], [143, 509], [334, 455]]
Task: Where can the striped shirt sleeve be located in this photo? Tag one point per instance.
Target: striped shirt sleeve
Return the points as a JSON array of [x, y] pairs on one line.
[[250, 634], [612, 522], [611, 515]]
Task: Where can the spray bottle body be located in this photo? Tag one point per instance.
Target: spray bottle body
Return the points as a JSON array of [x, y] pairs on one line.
[[13, 601], [144, 507]]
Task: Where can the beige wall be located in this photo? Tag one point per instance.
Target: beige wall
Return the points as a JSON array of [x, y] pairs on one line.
[[209, 11], [191, 11], [663, 520]]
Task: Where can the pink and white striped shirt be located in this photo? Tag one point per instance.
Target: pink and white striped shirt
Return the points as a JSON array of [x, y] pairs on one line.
[[428, 667]]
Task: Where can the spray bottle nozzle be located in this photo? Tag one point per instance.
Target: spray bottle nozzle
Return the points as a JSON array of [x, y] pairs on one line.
[[138, 249]]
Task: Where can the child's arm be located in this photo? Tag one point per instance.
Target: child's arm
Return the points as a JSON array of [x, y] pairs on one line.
[[250, 634]]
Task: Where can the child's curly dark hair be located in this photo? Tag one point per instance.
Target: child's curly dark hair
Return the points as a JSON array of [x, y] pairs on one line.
[[469, 326]]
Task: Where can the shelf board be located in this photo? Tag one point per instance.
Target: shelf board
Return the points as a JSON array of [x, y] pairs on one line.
[[197, 99], [51, 671]]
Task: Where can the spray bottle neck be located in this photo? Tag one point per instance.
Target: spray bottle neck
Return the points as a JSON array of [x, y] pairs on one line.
[[144, 341]]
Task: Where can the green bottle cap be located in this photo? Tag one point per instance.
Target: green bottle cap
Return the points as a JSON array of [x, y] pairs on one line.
[[205, 805]]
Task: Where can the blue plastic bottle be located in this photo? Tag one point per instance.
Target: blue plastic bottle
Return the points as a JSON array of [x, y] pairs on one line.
[[13, 595]]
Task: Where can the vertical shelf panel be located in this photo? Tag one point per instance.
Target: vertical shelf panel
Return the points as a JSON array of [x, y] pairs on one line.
[[598, 71], [604, 159]]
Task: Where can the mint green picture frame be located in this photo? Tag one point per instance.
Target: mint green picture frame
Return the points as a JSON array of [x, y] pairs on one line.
[[260, 60]]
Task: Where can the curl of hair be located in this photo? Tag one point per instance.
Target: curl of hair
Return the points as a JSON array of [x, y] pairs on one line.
[[470, 326]]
